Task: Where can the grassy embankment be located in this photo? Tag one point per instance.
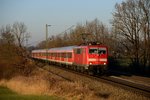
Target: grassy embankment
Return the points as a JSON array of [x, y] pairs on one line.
[[43, 83], [7, 94]]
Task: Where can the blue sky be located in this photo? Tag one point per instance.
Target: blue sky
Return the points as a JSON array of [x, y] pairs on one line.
[[61, 14]]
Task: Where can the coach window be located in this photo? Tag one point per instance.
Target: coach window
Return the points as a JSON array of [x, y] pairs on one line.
[[48, 54], [65, 55], [53, 54], [61, 55], [69, 55], [57, 54]]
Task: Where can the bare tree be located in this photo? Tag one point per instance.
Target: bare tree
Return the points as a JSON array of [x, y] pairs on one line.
[[98, 31], [19, 30], [6, 35], [75, 37], [131, 23], [7, 42], [145, 14]]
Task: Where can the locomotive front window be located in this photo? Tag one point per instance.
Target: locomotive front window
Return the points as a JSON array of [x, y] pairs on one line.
[[97, 51], [93, 50], [102, 51]]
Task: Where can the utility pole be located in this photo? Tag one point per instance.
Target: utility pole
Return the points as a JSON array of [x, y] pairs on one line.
[[46, 43], [26, 39]]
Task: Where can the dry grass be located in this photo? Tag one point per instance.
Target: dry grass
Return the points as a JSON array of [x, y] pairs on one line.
[[43, 83]]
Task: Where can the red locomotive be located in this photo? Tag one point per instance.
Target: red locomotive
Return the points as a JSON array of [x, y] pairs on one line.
[[93, 58]]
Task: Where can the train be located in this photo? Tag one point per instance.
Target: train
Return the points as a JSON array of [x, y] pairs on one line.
[[85, 58]]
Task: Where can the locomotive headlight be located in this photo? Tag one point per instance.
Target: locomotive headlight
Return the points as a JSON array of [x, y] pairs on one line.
[[104, 63], [90, 63]]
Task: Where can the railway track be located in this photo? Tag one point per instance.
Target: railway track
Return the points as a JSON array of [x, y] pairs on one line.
[[129, 85], [122, 83], [115, 81]]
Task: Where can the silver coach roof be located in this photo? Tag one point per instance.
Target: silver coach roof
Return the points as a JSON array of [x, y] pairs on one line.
[[59, 49]]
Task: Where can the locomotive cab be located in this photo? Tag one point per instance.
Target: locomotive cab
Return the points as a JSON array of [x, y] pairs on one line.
[[97, 58], [91, 57]]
